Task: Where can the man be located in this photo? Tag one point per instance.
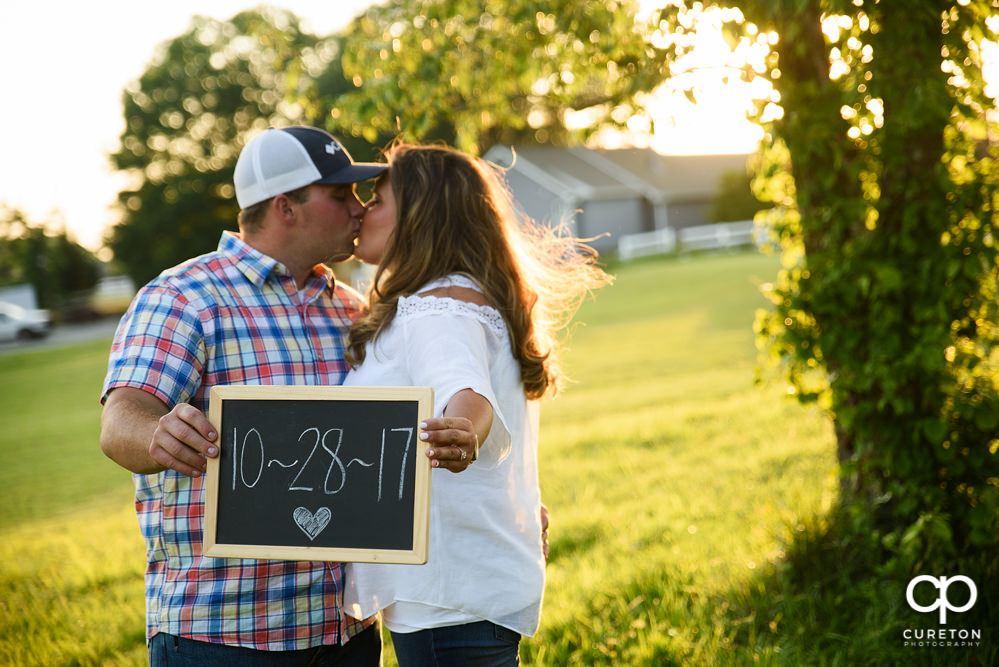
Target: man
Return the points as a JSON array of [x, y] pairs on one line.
[[262, 309]]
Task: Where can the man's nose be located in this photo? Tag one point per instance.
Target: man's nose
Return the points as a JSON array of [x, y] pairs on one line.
[[357, 208]]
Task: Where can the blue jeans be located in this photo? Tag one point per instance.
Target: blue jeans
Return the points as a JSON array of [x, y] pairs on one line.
[[481, 644], [363, 650]]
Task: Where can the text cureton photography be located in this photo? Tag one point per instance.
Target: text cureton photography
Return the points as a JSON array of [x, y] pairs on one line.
[[933, 596], [942, 637]]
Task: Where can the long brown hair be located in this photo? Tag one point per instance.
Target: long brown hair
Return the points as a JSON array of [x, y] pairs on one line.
[[455, 215]]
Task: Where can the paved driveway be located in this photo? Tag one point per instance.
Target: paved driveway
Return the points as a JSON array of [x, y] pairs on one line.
[[67, 334]]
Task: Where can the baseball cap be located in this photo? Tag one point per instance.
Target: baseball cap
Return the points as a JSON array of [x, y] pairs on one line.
[[280, 160]]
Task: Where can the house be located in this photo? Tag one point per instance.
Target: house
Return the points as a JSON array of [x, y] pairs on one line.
[[608, 194], [22, 295]]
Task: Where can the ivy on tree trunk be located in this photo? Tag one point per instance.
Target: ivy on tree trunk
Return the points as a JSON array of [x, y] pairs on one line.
[[882, 171]]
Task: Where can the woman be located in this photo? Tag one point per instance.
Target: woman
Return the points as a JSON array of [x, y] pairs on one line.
[[468, 302]]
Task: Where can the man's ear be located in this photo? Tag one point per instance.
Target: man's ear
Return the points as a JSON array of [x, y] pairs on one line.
[[283, 206]]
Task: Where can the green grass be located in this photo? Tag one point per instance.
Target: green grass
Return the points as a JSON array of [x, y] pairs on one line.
[[71, 556], [51, 461], [688, 503], [672, 477]]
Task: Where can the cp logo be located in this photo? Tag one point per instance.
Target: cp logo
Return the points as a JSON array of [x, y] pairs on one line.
[[942, 602]]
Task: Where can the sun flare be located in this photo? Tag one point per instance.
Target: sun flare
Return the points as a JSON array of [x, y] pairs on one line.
[[712, 73]]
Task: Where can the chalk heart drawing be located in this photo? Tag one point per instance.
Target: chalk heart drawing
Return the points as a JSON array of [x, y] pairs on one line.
[[312, 524]]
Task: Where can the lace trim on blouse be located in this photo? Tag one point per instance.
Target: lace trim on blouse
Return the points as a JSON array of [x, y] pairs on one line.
[[413, 306]]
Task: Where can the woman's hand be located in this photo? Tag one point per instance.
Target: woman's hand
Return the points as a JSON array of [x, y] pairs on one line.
[[454, 439], [453, 443]]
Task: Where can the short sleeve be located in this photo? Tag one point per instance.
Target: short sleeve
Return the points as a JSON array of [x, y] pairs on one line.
[[449, 349], [158, 347]]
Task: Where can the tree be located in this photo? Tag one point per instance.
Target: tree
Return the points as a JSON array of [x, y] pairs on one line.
[[473, 74], [883, 169], [325, 96], [186, 119], [45, 257], [735, 199]]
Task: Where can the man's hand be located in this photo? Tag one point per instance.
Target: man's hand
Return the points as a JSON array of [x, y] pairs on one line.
[[183, 440]]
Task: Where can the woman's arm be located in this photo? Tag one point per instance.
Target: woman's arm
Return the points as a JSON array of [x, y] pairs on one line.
[[466, 403], [454, 438]]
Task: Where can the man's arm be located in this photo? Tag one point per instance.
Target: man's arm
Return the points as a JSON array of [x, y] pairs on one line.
[[139, 433]]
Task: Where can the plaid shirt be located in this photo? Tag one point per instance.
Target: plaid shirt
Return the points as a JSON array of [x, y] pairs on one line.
[[233, 316]]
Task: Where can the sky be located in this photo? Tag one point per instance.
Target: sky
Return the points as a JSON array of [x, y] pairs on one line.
[[54, 157]]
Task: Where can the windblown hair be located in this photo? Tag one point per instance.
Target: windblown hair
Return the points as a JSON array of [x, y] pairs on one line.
[[455, 215]]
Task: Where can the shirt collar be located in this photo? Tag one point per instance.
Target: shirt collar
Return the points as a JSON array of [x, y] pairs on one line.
[[256, 266]]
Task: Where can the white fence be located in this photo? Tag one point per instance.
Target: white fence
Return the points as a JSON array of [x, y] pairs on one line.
[[718, 236], [630, 246]]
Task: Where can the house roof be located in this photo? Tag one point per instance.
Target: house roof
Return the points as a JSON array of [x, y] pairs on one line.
[[560, 170], [587, 173]]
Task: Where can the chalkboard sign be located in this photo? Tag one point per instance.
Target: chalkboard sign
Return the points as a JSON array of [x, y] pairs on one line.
[[318, 473]]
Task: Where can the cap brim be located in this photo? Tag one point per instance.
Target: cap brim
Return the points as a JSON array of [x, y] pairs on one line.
[[358, 171]]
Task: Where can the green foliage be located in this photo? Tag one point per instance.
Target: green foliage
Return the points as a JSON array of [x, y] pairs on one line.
[[324, 97], [53, 263], [474, 74], [735, 199], [885, 311], [832, 600], [186, 119]]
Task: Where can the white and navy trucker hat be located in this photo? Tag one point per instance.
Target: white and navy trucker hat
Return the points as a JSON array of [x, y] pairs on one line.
[[283, 159]]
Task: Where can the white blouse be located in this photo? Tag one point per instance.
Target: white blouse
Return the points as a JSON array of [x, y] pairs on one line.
[[485, 560]]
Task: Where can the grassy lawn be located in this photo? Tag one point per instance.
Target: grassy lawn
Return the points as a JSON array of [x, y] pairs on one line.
[[675, 482], [673, 478], [71, 557]]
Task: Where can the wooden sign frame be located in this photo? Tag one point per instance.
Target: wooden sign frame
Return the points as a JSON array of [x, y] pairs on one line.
[[221, 395]]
